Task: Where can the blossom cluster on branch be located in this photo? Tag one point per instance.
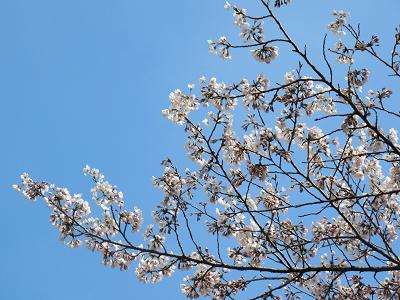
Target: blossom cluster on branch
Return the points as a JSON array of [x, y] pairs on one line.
[[299, 195]]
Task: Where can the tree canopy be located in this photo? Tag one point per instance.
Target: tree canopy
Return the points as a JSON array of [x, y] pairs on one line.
[[294, 190]]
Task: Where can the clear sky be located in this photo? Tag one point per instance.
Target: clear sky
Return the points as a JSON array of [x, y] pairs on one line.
[[84, 82]]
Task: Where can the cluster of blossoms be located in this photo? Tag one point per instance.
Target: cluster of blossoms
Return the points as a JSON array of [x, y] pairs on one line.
[[358, 77], [345, 57], [221, 46], [181, 105], [71, 215], [252, 31], [265, 54], [295, 184], [337, 25]]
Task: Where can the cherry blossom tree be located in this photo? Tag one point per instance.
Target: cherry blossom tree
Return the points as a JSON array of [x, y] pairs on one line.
[[295, 193]]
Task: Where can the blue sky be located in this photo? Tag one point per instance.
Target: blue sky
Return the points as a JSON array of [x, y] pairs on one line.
[[84, 82]]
